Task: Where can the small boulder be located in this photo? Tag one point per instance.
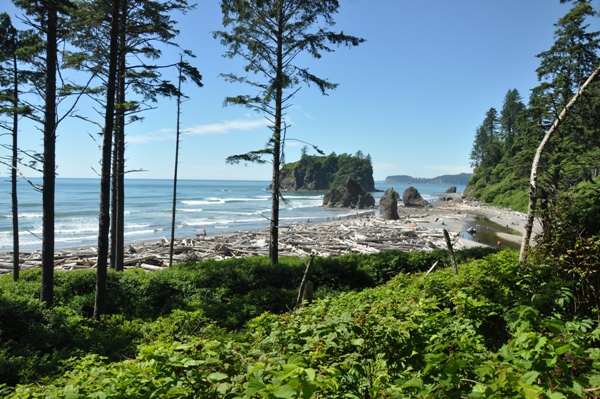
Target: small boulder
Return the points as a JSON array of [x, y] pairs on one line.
[[388, 205], [412, 197]]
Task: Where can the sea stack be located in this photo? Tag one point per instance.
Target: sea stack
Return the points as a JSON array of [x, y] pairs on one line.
[[412, 197], [388, 205], [352, 196]]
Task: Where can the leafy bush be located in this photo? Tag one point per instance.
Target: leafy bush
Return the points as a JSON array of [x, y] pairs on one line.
[[231, 292], [479, 336]]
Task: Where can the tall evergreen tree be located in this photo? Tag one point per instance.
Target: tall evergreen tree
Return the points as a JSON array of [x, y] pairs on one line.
[[16, 48], [486, 151], [512, 108], [144, 26], [45, 17], [563, 69], [269, 35], [104, 214]]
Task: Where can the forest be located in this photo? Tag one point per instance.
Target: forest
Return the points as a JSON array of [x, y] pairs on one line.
[[389, 325], [460, 179]]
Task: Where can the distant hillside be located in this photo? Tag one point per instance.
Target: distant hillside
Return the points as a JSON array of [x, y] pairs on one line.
[[460, 179]]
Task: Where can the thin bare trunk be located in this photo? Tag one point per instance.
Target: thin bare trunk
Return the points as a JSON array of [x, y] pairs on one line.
[[535, 165], [451, 253], [120, 239], [176, 165], [305, 281], [13, 174], [104, 222]]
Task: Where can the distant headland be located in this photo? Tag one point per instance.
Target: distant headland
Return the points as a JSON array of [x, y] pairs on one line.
[[460, 179]]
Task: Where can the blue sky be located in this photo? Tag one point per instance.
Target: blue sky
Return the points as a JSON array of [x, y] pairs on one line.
[[411, 96]]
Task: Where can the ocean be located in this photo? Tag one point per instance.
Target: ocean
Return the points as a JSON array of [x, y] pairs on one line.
[[217, 206]]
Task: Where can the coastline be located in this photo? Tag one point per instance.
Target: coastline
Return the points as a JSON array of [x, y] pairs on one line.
[[418, 229]]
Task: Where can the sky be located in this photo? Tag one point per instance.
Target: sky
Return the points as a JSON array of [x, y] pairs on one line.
[[411, 96]]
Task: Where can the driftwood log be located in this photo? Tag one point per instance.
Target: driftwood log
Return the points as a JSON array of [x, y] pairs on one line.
[[360, 235]]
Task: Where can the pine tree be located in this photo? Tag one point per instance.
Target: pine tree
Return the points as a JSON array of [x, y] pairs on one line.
[[16, 48], [512, 109], [269, 35], [45, 18]]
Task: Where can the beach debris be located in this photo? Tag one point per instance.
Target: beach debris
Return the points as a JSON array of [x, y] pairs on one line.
[[366, 234]]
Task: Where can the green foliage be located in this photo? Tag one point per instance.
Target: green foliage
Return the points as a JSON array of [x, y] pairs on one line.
[[229, 293], [496, 331], [330, 171], [459, 179]]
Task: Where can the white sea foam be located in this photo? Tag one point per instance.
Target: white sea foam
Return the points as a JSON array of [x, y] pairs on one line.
[[217, 206]]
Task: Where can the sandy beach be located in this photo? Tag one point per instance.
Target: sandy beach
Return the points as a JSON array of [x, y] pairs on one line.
[[419, 229]]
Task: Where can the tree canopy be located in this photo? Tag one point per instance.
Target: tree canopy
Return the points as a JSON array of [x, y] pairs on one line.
[[505, 145]]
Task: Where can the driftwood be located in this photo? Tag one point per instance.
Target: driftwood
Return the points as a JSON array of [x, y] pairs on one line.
[[303, 293], [451, 252], [335, 238]]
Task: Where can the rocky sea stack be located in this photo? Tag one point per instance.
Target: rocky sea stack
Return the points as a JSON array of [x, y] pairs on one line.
[[412, 197], [388, 205], [351, 196], [320, 173]]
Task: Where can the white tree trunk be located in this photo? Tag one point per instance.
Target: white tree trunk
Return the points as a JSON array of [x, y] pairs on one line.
[[536, 160]]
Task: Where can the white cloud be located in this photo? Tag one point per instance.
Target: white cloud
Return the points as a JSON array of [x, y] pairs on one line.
[[226, 127], [159, 135], [168, 134]]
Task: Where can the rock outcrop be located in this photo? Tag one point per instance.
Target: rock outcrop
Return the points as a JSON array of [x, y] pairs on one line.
[[412, 197], [351, 196], [451, 190], [296, 180], [388, 205], [320, 173]]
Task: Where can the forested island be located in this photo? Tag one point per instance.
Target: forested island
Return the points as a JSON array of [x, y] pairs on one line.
[[460, 179], [321, 173]]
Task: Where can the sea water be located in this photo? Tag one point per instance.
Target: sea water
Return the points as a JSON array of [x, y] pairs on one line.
[[214, 206]]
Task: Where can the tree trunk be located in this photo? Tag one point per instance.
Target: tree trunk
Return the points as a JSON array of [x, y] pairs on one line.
[[451, 253], [13, 174], [120, 137], [104, 222], [304, 282], [174, 210], [49, 168], [118, 194], [275, 194], [535, 165]]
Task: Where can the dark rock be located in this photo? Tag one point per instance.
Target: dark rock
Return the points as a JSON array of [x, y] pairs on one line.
[[451, 190], [388, 204], [352, 196], [411, 197]]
